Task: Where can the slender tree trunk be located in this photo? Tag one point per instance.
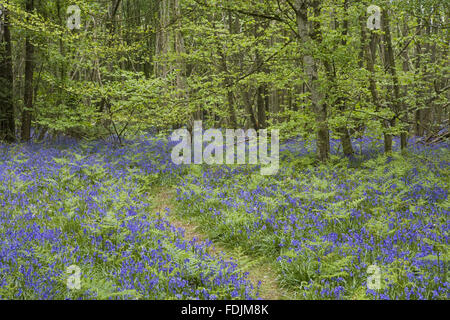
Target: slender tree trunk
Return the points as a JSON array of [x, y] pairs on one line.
[[180, 50], [406, 69], [261, 99], [419, 129], [228, 84], [163, 42], [370, 50], [311, 69], [7, 124], [249, 106], [261, 106], [28, 93], [344, 134], [390, 66]]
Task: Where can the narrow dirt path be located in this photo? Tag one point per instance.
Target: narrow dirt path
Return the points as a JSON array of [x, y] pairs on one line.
[[258, 271]]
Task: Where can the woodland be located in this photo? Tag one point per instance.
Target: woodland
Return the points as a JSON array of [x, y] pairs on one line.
[[92, 205]]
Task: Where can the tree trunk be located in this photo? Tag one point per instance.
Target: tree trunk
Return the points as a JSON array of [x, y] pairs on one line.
[[261, 100], [390, 66], [370, 57], [28, 93], [342, 130], [406, 69], [7, 124], [163, 39], [228, 84], [311, 69], [249, 108], [419, 129]]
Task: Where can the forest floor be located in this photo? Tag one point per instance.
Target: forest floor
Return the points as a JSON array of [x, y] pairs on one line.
[[139, 227], [258, 270]]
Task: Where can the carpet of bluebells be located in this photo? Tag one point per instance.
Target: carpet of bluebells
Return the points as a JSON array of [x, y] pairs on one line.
[[90, 205], [321, 226], [324, 225]]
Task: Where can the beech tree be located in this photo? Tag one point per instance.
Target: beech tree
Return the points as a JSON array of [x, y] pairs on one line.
[[7, 123]]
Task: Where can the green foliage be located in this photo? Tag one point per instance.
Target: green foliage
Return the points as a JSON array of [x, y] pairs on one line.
[[333, 199]]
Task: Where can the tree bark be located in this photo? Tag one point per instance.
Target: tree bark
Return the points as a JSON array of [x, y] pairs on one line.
[[311, 69], [390, 67], [370, 50], [163, 42], [419, 129], [7, 124], [261, 100], [228, 84], [28, 93], [249, 107], [406, 69], [342, 130]]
